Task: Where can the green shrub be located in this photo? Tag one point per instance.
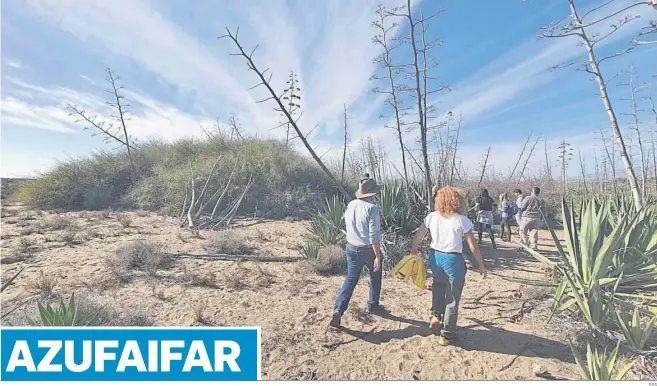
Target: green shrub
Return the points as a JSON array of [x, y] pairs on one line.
[[285, 183]]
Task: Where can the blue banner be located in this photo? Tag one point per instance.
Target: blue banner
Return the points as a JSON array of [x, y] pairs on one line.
[[130, 354]]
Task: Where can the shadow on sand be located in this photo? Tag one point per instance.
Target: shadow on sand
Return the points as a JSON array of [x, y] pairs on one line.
[[476, 336]]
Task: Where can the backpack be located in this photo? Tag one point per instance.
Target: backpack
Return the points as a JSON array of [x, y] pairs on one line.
[[511, 209]]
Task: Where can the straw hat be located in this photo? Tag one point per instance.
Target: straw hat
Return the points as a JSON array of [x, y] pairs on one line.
[[367, 187]]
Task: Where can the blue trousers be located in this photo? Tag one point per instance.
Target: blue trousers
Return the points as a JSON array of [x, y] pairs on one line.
[[448, 279], [357, 258]]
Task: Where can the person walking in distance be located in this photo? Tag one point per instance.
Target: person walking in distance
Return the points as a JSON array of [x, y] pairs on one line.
[[519, 198], [485, 215], [507, 211], [531, 219], [363, 226], [448, 226]]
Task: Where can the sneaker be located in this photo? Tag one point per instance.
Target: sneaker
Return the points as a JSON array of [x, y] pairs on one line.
[[435, 323], [444, 341], [335, 319], [376, 309]]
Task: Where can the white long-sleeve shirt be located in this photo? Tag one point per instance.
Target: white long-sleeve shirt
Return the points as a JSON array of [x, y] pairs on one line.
[[363, 223]]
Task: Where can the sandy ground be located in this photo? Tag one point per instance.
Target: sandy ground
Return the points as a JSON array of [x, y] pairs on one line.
[[291, 304]]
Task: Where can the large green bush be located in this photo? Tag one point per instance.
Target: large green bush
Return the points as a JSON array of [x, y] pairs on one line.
[[285, 183]]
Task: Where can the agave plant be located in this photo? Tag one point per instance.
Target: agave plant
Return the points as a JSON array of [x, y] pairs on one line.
[[599, 367], [64, 316], [636, 333], [310, 250], [400, 208], [326, 227], [603, 260]]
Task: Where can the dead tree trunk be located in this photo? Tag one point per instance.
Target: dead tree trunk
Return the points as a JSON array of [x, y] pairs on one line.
[[265, 82], [631, 176], [577, 27], [344, 147], [385, 59], [634, 105], [582, 167], [529, 156], [420, 109], [484, 164], [455, 149], [653, 109], [548, 167], [522, 152]]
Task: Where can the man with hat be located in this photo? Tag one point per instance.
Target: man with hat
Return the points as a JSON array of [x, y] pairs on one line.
[[363, 225]]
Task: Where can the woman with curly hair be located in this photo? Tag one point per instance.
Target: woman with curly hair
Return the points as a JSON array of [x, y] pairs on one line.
[[447, 225]]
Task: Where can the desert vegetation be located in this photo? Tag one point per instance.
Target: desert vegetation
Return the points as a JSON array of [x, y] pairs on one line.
[[232, 229]]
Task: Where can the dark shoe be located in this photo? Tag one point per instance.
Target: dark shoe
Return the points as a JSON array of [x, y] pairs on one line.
[[376, 309], [335, 319]]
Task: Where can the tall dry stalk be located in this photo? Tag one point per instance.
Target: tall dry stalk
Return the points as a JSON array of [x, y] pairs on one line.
[[281, 107], [635, 89], [578, 27], [393, 100]]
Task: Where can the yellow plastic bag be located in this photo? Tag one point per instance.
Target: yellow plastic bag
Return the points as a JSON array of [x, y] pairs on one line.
[[411, 269]]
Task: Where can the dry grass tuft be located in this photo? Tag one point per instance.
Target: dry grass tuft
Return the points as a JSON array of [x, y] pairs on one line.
[[91, 234], [158, 293], [138, 255], [228, 242], [27, 231], [235, 281], [15, 258], [124, 219], [56, 223], [69, 238], [330, 260], [25, 245], [199, 311], [42, 285], [264, 278], [200, 278]]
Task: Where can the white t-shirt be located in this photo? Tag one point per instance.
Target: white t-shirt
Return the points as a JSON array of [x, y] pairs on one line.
[[447, 232]]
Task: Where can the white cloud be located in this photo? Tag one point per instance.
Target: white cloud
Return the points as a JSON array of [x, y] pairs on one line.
[[22, 114], [46, 110], [14, 63], [327, 43], [528, 66], [88, 80]]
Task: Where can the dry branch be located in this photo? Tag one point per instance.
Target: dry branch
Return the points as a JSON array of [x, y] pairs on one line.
[[577, 27], [223, 257], [265, 82]]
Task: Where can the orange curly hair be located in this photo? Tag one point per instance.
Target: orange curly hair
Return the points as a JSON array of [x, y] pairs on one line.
[[449, 201]]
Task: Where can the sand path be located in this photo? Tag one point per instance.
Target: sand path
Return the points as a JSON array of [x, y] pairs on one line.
[[291, 305]]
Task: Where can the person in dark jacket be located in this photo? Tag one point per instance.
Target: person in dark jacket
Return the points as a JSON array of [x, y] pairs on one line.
[[484, 206]]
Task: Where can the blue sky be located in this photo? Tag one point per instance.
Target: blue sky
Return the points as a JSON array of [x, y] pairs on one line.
[[178, 76]]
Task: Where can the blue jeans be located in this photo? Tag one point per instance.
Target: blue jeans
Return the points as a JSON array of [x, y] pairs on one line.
[[357, 258], [448, 279]]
